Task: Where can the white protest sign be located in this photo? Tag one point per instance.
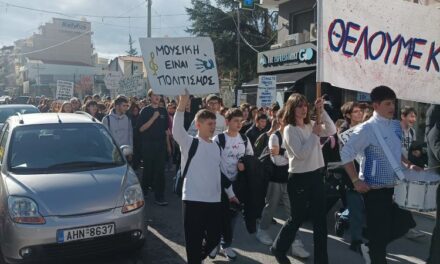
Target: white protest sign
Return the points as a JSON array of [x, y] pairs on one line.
[[64, 90], [131, 86], [112, 79], [174, 64], [345, 136], [267, 88], [366, 43]]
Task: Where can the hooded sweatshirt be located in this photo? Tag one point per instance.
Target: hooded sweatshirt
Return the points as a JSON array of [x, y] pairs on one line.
[[120, 127]]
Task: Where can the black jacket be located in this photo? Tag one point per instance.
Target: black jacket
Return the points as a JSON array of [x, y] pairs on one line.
[[251, 188]]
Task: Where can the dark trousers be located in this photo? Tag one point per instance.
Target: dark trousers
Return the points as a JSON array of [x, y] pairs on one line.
[[379, 208], [306, 192], [227, 222], [202, 229], [434, 254], [153, 154]]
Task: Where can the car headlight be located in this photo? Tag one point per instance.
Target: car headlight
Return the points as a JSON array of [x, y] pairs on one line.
[[24, 211], [133, 198]]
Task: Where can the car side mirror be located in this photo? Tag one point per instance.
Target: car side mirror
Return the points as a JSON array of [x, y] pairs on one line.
[[127, 150]]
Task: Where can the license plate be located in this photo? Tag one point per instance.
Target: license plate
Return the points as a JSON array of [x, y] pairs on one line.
[[81, 233]]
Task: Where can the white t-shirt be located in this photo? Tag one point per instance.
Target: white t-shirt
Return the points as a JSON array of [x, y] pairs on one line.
[[278, 160], [408, 137], [234, 149], [203, 181]]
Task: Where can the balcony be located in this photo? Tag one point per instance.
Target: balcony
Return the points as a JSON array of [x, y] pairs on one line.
[[272, 4]]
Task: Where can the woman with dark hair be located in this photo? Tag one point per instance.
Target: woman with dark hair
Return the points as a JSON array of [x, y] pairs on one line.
[[91, 108], [87, 98], [305, 184]]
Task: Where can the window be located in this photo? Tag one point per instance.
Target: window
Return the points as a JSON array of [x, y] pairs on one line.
[[62, 148], [3, 140], [300, 22]]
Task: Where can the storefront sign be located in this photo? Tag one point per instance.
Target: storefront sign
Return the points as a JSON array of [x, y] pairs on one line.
[[266, 95], [288, 58], [367, 43], [175, 64]]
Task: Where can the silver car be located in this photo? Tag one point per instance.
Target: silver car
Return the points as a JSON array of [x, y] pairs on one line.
[[65, 190], [12, 109]]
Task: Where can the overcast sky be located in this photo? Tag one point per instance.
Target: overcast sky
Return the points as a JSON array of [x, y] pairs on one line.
[[110, 35]]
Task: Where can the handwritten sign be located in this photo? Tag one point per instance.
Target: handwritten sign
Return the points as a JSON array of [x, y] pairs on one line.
[[131, 86], [266, 94], [64, 90], [345, 136], [366, 43], [112, 79], [174, 64]]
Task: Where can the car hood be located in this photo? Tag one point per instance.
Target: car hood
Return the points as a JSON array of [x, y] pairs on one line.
[[73, 193]]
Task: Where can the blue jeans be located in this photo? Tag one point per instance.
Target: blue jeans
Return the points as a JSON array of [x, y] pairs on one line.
[[355, 214]]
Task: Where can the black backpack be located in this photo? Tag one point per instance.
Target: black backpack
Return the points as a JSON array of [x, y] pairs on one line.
[[179, 178], [264, 157]]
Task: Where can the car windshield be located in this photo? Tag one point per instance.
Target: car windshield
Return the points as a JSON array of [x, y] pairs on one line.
[[7, 112], [52, 148]]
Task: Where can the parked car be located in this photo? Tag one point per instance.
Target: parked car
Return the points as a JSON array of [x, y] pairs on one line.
[[5, 99], [12, 109], [67, 190]]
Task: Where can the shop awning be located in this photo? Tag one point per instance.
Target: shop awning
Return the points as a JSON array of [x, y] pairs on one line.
[[283, 78]]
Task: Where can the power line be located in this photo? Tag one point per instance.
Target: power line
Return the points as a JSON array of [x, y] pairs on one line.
[[73, 15]]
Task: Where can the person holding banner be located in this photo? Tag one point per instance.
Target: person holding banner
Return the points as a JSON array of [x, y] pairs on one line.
[[305, 184], [201, 191], [378, 141]]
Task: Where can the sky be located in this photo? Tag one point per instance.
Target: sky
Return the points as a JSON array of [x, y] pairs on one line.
[[110, 35]]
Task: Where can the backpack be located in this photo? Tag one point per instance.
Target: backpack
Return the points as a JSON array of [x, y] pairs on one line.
[[268, 165], [179, 178], [260, 144]]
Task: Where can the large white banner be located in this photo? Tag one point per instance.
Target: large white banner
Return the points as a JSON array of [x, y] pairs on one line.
[[267, 90], [64, 90], [366, 43], [174, 64]]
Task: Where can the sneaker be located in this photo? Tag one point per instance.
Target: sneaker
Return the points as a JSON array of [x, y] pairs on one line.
[[274, 222], [298, 250], [414, 234], [161, 202], [365, 251], [264, 237], [281, 258], [214, 252], [339, 226], [229, 252]]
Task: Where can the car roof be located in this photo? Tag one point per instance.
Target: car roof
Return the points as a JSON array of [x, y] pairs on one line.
[[17, 106], [51, 118]]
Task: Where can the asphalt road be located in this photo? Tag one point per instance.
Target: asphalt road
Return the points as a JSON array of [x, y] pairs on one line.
[[165, 241]]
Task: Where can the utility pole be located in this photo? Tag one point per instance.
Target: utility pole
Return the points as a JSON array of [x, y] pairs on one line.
[[149, 17], [238, 84]]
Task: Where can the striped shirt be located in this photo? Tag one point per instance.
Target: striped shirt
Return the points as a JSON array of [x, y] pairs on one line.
[[375, 169]]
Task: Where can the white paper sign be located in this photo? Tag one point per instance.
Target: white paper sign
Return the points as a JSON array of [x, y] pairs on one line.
[[366, 43], [64, 90], [267, 88], [131, 86], [174, 64], [112, 79], [345, 136]]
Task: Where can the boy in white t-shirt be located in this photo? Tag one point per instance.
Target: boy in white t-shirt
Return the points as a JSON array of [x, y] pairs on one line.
[[202, 184], [234, 146]]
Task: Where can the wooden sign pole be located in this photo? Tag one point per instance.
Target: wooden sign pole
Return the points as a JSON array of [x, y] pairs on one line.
[[318, 95]]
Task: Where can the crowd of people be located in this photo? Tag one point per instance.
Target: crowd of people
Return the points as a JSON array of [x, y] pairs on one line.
[[252, 160]]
